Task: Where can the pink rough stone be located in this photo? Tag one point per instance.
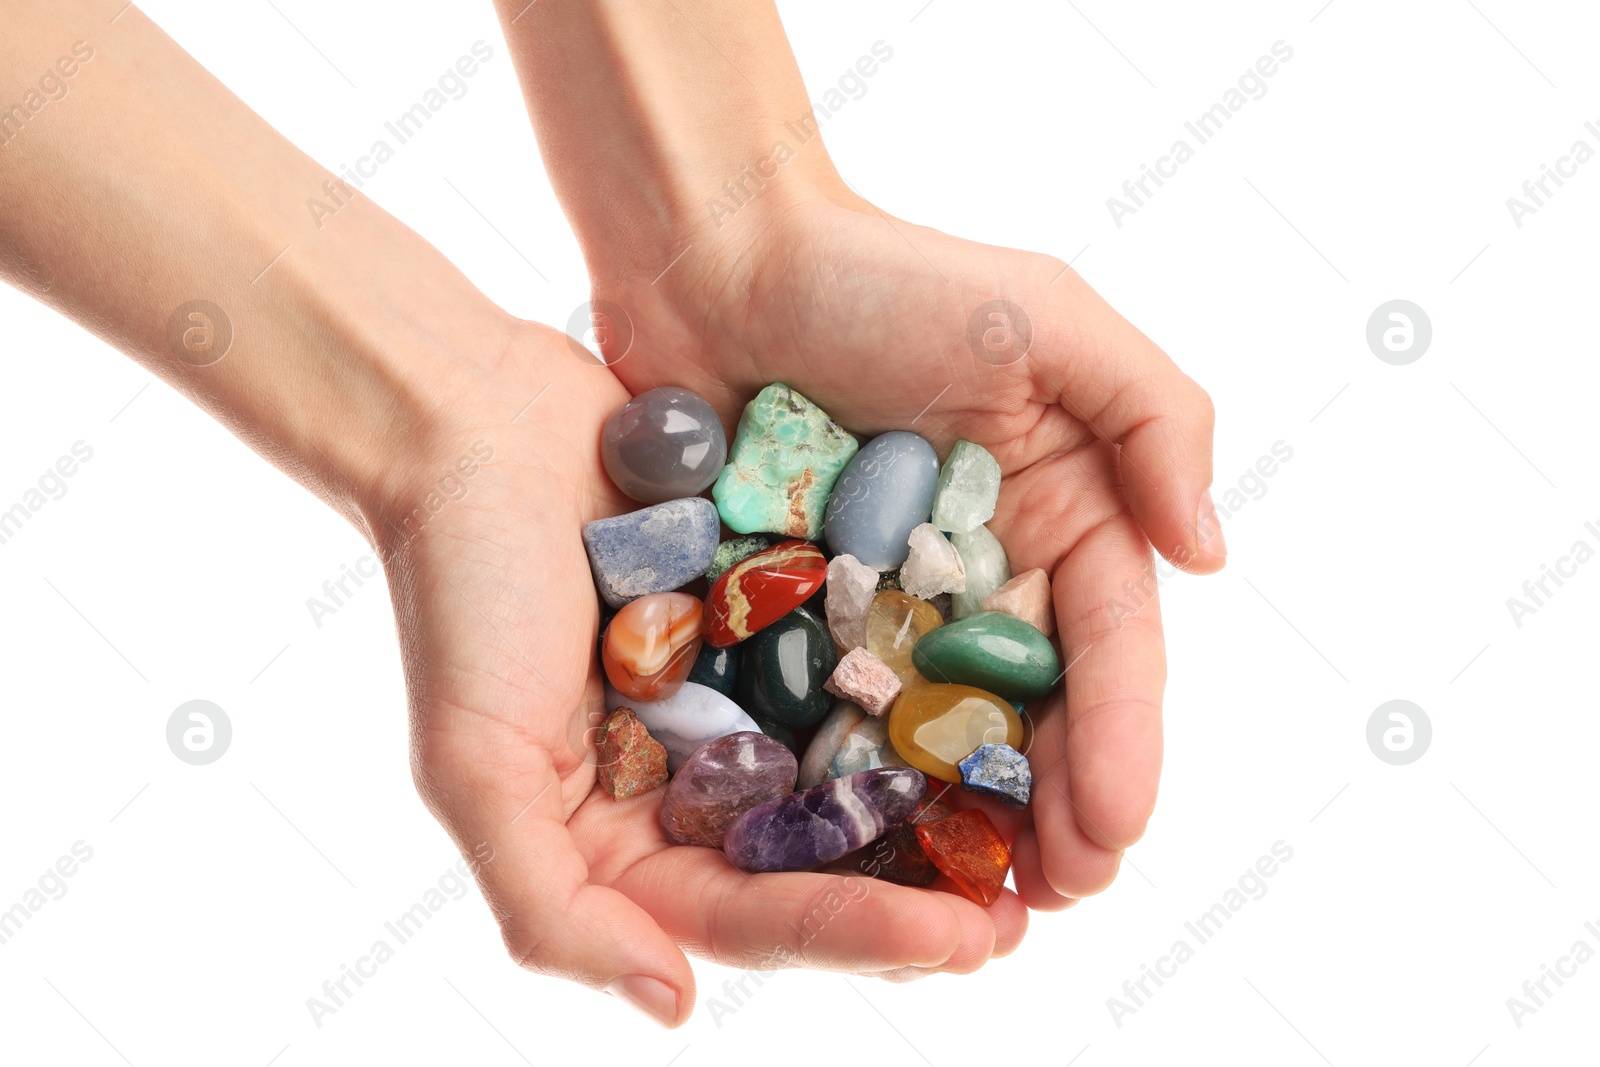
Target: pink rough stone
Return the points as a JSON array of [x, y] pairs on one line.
[[865, 679], [1027, 596]]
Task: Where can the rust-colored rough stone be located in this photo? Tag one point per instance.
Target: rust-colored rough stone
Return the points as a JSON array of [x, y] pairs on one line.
[[628, 761]]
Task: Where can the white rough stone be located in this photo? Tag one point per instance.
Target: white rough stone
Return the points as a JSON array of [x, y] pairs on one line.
[[934, 566]]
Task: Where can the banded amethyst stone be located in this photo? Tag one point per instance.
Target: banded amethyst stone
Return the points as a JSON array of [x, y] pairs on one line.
[[801, 830], [721, 781]]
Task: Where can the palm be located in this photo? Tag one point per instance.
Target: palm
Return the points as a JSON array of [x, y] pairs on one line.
[[499, 618], [869, 317]]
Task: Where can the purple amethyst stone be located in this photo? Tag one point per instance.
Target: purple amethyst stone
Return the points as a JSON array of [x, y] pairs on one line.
[[722, 780], [801, 830]]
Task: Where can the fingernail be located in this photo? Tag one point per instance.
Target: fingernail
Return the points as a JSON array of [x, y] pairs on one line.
[[1209, 541], [650, 995]]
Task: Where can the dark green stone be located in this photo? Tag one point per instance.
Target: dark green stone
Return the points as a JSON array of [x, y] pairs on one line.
[[782, 668], [779, 733], [717, 668], [992, 651]]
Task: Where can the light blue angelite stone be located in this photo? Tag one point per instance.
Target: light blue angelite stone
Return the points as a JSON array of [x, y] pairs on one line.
[[987, 569], [885, 492]]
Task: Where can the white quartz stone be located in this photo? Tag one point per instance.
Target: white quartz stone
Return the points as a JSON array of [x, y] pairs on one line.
[[934, 566]]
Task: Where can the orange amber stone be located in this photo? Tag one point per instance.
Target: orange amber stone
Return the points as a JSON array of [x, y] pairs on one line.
[[651, 644], [935, 726], [966, 847], [894, 622]]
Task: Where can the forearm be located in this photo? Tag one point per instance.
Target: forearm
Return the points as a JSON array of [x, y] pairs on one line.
[[658, 120], [141, 186]]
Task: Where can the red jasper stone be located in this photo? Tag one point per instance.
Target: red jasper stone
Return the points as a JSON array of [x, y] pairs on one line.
[[966, 847], [761, 589]]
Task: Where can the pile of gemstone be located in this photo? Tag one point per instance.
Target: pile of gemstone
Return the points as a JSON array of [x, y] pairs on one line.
[[861, 633]]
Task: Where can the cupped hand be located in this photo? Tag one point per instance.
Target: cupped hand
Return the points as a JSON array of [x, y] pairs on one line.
[[1105, 446], [498, 622]]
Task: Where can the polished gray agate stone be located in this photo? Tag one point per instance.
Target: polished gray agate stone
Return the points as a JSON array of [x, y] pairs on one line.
[[663, 444], [884, 493]]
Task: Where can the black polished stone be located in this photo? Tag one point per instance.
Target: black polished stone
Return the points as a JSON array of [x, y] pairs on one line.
[[717, 668], [782, 669]]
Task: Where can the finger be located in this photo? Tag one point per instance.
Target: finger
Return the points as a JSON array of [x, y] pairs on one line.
[[1010, 918], [1027, 870], [1096, 767], [1108, 746], [1113, 378], [553, 919], [819, 920]]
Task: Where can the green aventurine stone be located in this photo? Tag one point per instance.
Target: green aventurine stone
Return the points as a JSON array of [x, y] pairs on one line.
[[992, 651], [969, 485], [732, 551], [987, 569], [785, 458]]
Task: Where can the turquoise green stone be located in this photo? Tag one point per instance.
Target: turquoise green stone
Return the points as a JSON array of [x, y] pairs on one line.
[[992, 651], [782, 670], [969, 485], [785, 458], [732, 551], [987, 569]]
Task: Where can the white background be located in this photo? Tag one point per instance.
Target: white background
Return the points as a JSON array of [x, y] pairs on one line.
[[1376, 565]]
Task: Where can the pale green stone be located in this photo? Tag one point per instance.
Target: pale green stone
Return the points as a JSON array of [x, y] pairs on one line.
[[987, 569], [969, 485], [785, 458], [732, 551]]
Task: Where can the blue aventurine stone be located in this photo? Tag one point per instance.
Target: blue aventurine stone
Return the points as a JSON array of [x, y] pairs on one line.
[[652, 550]]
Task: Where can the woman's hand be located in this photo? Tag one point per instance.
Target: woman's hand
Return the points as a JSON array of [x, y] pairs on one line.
[[498, 621]]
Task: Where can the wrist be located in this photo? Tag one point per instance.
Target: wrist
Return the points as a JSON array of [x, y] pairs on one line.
[[666, 126], [355, 388]]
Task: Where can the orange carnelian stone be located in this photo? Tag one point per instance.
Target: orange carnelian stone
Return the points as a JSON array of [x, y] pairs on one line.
[[651, 644], [966, 847], [761, 589]]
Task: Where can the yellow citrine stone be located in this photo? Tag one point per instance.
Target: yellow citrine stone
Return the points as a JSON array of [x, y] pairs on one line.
[[935, 726], [894, 622]]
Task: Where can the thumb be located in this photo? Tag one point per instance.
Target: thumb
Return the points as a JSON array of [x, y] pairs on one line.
[[1119, 383], [553, 920]]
